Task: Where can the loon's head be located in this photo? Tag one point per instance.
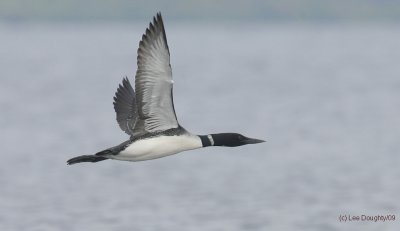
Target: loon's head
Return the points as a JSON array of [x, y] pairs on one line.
[[233, 139]]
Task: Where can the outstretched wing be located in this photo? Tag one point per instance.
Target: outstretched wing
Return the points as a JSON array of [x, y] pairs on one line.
[[153, 83], [125, 106]]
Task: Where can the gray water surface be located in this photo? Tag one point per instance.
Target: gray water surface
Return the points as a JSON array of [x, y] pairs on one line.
[[326, 99]]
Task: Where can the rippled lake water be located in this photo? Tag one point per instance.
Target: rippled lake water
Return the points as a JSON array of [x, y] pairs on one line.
[[325, 97]]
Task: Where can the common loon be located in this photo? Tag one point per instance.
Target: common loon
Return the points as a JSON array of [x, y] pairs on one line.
[[148, 115]]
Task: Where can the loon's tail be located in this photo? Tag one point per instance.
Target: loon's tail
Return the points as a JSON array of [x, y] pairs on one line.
[[86, 158]]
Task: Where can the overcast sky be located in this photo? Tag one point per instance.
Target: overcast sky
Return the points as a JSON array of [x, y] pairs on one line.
[[240, 10]]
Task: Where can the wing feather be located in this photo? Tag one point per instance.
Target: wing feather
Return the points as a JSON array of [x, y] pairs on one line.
[[153, 82], [125, 107]]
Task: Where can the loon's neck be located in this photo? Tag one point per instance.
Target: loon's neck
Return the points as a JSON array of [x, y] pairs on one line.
[[207, 140]]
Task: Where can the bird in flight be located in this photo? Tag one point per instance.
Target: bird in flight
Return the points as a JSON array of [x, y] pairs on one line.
[[147, 114]]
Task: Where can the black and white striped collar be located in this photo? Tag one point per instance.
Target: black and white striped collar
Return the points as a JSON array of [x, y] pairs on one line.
[[207, 140]]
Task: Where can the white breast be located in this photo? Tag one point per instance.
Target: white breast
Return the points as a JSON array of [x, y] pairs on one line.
[[158, 147]]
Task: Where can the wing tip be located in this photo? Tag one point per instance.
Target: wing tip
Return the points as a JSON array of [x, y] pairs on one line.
[[156, 25], [156, 28], [125, 81], [158, 16], [124, 90]]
